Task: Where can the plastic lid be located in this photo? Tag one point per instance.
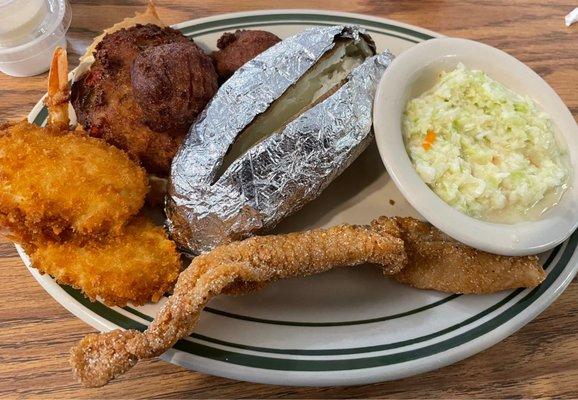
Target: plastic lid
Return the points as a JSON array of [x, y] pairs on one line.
[[46, 29]]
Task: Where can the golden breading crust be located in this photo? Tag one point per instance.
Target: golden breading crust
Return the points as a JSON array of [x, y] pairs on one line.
[[57, 183], [99, 358], [438, 262], [137, 266]]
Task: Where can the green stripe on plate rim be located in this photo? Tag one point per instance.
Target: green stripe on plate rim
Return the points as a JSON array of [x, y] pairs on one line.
[[40, 118], [326, 324], [193, 35], [263, 362], [283, 18]]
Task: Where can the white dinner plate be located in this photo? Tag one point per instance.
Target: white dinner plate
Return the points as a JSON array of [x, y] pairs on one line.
[[349, 326]]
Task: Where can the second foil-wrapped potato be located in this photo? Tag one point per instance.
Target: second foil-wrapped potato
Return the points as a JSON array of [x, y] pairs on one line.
[[274, 136]]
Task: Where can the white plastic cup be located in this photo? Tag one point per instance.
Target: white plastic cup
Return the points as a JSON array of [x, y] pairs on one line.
[[28, 39]]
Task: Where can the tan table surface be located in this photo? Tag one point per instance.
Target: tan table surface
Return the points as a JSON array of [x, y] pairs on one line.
[[540, 360]]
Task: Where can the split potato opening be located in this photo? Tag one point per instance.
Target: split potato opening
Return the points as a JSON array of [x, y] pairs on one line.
[[323, 79]]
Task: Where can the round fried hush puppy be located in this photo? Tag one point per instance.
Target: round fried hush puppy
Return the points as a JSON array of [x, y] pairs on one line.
[[172, 83], [137, 266], [104, 101], [235, 49]]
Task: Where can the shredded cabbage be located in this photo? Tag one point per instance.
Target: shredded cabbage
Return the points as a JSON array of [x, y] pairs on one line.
[[493, 149]]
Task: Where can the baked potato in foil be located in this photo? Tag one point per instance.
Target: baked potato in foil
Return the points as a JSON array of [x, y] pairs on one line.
[[274, 136]]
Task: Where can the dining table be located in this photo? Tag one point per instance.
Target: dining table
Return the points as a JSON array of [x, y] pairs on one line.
[[540, 360]]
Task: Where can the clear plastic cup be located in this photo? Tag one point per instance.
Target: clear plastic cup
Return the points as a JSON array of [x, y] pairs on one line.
[[30, 30]]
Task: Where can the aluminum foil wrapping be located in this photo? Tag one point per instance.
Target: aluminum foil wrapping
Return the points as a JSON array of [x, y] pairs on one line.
[[282, 173]]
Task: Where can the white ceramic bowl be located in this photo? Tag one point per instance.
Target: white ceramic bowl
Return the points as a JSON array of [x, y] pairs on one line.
[[415, 71]]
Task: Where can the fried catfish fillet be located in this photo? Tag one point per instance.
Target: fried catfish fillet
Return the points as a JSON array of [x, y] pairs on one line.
[[395, 244], [106, 105], [438, 262], [55, 183], [99, 358], [137, 266]]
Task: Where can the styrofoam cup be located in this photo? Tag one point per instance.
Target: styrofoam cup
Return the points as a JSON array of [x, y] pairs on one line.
[[33, 56]]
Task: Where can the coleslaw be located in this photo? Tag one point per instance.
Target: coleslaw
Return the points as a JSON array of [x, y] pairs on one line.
[[484, 149]]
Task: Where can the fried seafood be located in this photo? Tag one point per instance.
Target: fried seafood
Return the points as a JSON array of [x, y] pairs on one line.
[[235, 49], [106, 105], [172, 83], [139, 265], [54, 182], [67, 198], [392, 243], [436, 261], [99, 358]]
